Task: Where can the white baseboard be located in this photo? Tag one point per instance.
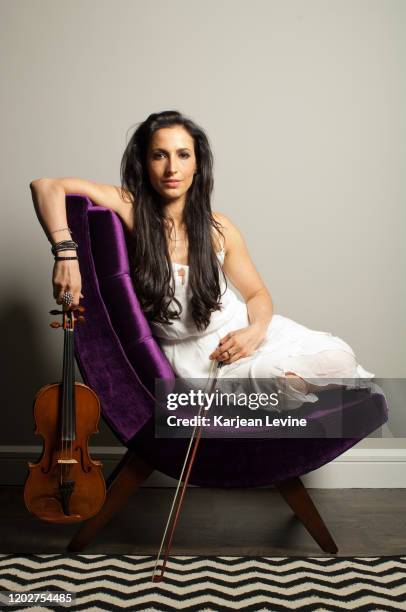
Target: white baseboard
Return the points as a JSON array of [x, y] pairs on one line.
[[357, 468], [362, 468]]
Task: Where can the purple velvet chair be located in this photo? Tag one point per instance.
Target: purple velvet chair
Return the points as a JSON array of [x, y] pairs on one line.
[[120, 358]]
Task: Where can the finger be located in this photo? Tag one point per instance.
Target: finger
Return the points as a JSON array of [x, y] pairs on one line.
[[216, 351], [56, 292], [234, 357], [75, 300], [60, 297], [223, 345], [226, 352], [225, 357], [226, 338]]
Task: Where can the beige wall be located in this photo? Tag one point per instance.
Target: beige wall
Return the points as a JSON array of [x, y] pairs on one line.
[[302, 102]]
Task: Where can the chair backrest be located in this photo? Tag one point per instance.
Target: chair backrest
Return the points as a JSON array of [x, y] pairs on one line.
[[115, 350]]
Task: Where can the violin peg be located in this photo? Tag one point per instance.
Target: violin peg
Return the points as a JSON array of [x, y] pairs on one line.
[[55, 312], [55, 324]]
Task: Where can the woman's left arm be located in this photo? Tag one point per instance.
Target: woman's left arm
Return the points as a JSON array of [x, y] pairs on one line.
[[241, 271], [260, 309]]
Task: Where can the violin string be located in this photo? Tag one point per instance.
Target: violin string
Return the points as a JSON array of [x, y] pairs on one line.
[[212, 379], [63, 400], [73, 386], [70, 389], [68, 404], [66, 393], [66, 438], [67, 399]]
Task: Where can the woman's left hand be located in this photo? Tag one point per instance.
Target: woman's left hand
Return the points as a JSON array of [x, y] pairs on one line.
[[240, 343]]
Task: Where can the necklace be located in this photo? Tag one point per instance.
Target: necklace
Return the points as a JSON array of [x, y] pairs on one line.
[[181, 272]]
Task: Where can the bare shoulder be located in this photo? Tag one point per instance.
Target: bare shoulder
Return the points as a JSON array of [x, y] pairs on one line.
[[229, 230]]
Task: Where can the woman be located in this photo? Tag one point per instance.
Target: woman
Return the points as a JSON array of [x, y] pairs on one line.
[[180, 258]]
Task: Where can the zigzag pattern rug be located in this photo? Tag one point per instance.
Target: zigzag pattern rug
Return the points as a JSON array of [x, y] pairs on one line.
[[104, 582]]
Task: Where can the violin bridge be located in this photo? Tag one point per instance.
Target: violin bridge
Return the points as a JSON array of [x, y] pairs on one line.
[[66, 461]]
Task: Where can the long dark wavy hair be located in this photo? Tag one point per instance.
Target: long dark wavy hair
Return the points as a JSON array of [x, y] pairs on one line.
[[150, 263]]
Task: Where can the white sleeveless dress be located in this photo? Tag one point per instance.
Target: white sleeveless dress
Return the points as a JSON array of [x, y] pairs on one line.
[[316, 356]]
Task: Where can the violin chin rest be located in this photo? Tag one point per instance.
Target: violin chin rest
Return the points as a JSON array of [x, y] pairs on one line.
[[49, 509]]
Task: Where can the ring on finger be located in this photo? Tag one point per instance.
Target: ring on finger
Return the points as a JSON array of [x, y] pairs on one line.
[[67, 298]]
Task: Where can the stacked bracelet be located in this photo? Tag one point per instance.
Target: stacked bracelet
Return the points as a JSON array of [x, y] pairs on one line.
[[64, 245]]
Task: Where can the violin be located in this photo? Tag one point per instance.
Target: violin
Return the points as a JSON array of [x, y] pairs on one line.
[[65, 485]]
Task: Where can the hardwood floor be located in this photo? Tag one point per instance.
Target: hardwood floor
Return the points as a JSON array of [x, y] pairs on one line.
[[363, 522]]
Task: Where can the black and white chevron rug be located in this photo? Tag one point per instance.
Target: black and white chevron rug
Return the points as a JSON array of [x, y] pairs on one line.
[[104, 582]]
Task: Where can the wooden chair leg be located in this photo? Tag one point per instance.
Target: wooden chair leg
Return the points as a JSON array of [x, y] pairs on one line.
[[296, 495], [125, 479]]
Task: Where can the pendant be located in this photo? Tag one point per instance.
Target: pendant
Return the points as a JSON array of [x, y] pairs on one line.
[[181, 273]]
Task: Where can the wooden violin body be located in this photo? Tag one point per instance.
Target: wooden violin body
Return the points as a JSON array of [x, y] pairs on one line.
[[65, 485]]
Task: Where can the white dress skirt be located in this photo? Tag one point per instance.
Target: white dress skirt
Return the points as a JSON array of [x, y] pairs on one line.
[[316, 356]]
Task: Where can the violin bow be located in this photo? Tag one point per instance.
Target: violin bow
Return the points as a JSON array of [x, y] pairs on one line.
[[187, 467]]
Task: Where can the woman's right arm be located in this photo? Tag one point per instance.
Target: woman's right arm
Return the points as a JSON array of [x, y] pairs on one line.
[[48, 195]]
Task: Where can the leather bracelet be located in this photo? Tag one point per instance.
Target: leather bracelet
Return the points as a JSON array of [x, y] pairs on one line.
[[64, 245], [64, 258]]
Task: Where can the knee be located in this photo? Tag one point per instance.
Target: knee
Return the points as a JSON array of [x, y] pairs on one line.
[[339, 363], [331, 363], [334, 363]]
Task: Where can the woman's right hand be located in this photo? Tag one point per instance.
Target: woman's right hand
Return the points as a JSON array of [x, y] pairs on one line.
[[66, 277]]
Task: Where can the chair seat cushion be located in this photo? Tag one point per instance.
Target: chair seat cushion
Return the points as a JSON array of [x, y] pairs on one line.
[[250, 462]]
